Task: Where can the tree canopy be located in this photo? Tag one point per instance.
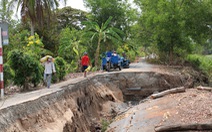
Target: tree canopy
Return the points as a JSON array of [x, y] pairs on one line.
[[70, 17], [173, 26]]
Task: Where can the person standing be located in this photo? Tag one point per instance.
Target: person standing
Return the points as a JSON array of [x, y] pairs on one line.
[[85, 63], [49, 70]]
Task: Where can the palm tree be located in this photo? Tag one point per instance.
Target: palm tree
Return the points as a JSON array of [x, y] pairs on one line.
[[35, 9], [102, 33]]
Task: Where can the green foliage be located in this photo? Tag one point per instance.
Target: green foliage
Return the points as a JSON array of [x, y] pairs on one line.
[[24, 42], [105, 125], [124, 16], [173, 26], [61, 69], [208, 47], [35, 11], [129, 51], [203, 63], [34, 45], [17, 39], [101, 34], [131, 55], [70, 17], [121, 11], [197, 19], [70, 46], [5, 11], [94, 69], [27, 68], [8, 74]]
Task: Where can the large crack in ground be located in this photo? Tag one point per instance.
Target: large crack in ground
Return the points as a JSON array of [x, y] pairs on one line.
[[81, 106]]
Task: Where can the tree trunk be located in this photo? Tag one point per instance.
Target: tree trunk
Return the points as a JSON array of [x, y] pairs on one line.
[[171, 55], [97, 53], [184, 127], [166, 92], [204, 88], [26, 85], [32, 28]]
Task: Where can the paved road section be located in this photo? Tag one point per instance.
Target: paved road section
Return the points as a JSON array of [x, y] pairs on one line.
[[19, 98], [190, 107]]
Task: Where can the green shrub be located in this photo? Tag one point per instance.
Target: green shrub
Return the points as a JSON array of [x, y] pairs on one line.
[[131, 55], [61, 69], [27, 68], [8, 74], [105, 124], [194, 60], [94, 69], [203, 63]]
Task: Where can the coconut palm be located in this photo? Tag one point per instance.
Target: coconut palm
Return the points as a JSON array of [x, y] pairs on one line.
[[35, 9], [102, 33]]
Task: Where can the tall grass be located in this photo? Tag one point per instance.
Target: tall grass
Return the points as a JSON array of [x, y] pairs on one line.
[[203, 63]]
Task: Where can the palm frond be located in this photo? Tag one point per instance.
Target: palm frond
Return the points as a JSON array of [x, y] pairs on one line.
[[95, 34], [111, 32], [105, 25], [104, 36], [113, 39], [118, 31]]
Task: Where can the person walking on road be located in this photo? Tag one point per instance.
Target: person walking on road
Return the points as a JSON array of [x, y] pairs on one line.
[[85, 62], [49, 70]]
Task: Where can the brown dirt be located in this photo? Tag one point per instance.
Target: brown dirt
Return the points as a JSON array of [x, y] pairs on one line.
[[193, 106]]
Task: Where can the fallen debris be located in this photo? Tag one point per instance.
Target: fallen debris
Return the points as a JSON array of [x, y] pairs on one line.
[[184, 127], [166, 92], [204, 88]]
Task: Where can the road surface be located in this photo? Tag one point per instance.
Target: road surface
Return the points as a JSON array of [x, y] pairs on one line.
[[18, 98]]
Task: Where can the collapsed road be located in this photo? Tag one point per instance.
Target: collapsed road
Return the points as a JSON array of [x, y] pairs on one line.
[[79, 105]]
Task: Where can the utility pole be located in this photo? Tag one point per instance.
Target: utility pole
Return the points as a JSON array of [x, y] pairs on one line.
[[1, 66], [4, 40]]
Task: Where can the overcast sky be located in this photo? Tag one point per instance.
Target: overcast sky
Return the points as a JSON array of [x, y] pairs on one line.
[[77, 4]]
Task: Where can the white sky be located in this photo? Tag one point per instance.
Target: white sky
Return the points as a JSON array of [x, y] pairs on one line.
[[77, 4]]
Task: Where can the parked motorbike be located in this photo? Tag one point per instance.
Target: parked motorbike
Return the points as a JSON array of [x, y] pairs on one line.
[[125, 63], [113, 63]]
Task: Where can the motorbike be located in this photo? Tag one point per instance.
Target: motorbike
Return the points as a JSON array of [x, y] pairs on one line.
[[125, 63], [113, 62]]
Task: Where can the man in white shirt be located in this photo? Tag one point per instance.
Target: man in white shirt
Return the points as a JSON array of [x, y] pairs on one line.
[[49, 69]]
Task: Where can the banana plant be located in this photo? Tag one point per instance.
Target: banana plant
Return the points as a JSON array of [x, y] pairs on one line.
[[102, 33]]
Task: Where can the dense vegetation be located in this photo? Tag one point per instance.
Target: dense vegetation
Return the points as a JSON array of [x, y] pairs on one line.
[[171, 30], [203, 63]]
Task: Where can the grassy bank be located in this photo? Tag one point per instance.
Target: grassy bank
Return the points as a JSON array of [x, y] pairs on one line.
[[203, 63]]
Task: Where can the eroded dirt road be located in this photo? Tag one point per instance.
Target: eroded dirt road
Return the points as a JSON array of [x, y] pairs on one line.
[[191, 107]]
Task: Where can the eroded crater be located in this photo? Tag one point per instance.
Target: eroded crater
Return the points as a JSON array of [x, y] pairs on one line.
[[81, 106]]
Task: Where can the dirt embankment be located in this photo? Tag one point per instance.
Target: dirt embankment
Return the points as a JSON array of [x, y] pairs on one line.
[[74, 108], [81, 105]]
